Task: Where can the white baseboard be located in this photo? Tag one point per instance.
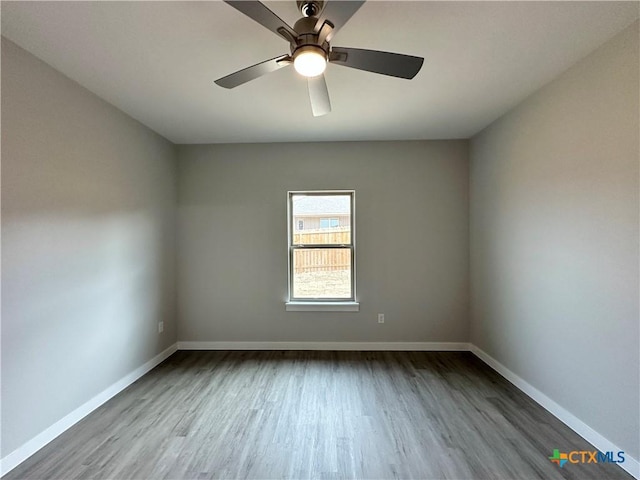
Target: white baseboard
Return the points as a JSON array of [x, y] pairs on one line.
[[631, 465], [343, 346], [19, 455]]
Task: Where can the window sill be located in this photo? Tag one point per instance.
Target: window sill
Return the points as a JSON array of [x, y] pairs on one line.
[[322, 306]]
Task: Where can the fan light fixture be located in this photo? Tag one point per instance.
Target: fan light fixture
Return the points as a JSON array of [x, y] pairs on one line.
[[310, 48], [309, 61]]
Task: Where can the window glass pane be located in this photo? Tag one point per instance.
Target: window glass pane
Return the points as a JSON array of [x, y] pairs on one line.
[[321, 219], [322, 273]]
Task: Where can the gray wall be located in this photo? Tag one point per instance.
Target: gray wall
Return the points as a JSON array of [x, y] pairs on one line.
[[88, 240], [412, 240], [554, 240]]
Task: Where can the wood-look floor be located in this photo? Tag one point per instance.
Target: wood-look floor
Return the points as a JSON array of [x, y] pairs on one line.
[[329, 415]]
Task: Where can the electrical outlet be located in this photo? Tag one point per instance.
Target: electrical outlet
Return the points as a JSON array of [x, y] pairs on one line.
[[160, 327], [381, 318]]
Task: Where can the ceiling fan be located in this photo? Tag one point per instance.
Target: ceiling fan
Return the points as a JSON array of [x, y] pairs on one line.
[[311, 50]]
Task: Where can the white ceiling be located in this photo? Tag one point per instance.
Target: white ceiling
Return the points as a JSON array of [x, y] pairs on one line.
[[157, 61]]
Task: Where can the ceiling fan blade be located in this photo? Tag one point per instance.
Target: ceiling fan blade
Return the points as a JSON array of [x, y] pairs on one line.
[[247, 74], [386, 63], [337, 13], [260, 13], [319, 95]]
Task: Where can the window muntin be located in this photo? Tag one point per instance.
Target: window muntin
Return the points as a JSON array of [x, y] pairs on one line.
[[322, 256]]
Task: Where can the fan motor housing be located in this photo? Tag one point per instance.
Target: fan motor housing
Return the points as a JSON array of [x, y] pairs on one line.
[[305, 25], [306, 35]]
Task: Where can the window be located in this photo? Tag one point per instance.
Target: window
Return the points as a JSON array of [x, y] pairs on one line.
[[322, 256], [329, 223]]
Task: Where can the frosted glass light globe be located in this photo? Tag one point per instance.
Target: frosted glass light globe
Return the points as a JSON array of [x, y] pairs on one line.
[[309, 61]]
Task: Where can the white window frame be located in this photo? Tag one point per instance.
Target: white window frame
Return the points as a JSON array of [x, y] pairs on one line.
[[321, 304]]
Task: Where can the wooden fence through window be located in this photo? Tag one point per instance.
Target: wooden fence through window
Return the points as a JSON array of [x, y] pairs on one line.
[[322, 259]]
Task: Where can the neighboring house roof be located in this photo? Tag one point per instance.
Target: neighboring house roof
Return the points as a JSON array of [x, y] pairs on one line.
[[321, 205]]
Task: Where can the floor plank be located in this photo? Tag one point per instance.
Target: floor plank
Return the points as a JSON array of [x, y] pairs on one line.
[[310, 414]]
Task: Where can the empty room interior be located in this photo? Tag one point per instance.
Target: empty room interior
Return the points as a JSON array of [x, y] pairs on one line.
[[320, 239]]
